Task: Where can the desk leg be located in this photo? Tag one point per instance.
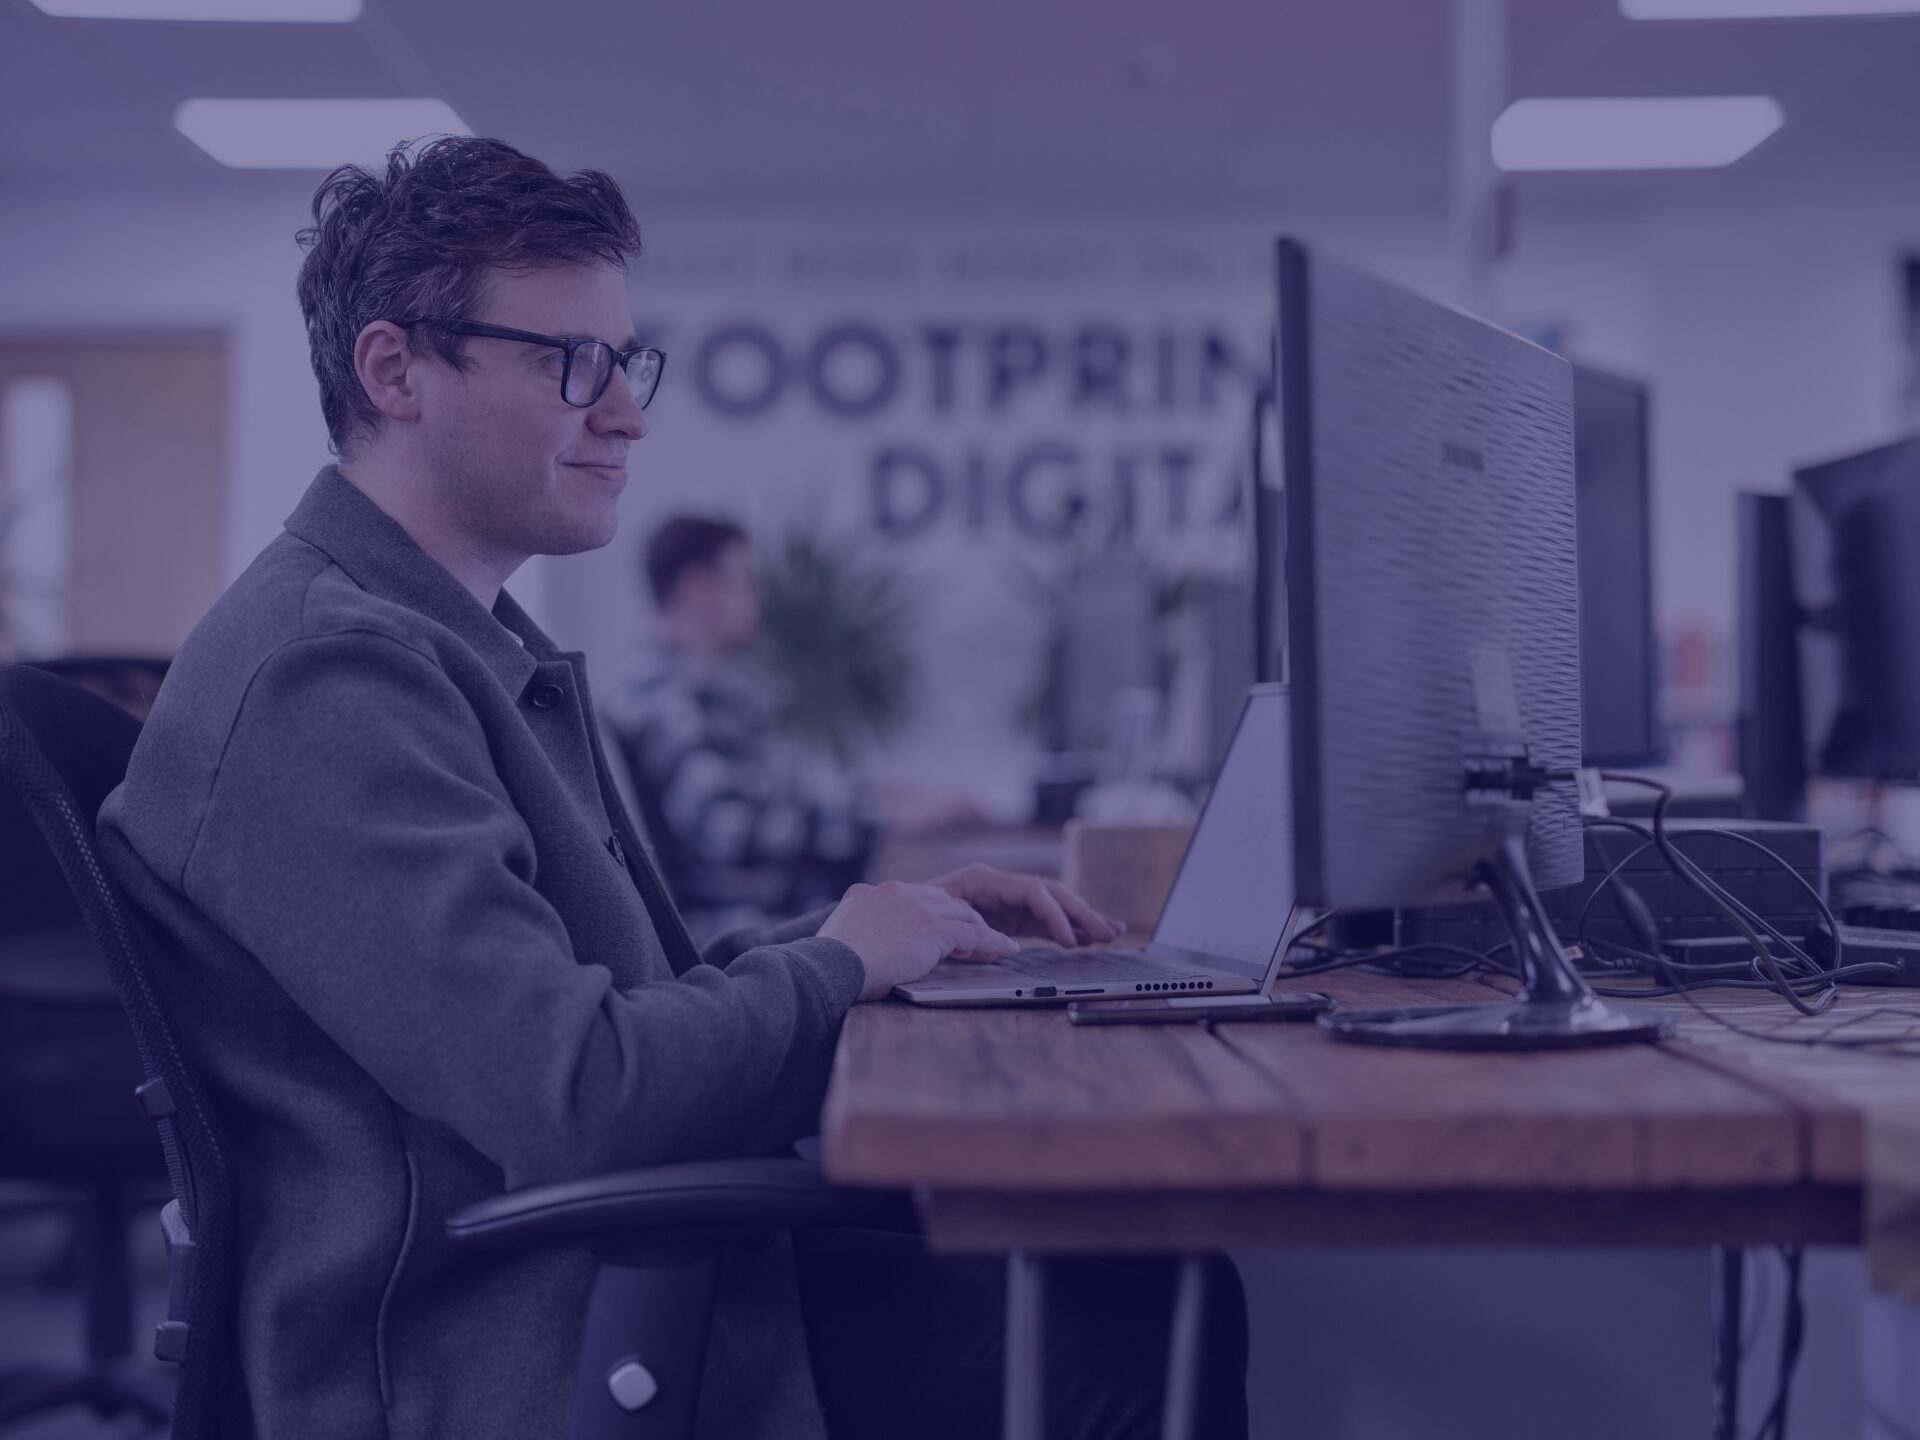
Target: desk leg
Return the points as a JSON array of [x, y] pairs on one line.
[[1729, 1266], [1025, 1414], [1183, 1359]]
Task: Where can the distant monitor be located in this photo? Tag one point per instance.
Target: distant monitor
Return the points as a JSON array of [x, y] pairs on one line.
[[1432, 623], [1771, 728], [1618, 661], [1854, 538], [1267, 531], [1226, 646]]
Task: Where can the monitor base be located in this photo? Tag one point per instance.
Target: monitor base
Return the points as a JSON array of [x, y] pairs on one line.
[[1555, 1010], [1512, 1025]]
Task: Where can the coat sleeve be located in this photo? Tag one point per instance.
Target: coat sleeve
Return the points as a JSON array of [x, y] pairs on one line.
[[728, 946], [358, 841]]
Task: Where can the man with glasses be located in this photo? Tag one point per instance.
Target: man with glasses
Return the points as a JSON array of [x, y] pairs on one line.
[[413, 941]]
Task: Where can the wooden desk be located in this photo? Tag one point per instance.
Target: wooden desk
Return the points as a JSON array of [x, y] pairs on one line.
[[1020, 1133], [1079, 1135]]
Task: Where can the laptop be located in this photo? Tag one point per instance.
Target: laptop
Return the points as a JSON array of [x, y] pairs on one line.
[[1224, 920]]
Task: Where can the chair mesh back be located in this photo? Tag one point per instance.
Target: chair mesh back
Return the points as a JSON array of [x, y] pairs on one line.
[[62, 749]]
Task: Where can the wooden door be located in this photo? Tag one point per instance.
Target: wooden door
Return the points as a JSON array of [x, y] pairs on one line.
[[116, 524]]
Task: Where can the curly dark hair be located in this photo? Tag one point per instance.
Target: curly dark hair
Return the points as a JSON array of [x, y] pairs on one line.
[[421, 240]]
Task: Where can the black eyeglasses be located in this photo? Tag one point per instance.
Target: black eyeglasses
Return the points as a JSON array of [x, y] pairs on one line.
[[589, 366]]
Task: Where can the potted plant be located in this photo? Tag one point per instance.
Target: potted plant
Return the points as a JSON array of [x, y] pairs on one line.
[[837, 632]]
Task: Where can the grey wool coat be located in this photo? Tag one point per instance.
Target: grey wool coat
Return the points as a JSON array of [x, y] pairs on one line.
[[419, 953]]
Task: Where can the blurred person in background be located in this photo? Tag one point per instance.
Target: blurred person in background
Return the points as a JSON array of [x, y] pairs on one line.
[[746, 826], [743, 830]]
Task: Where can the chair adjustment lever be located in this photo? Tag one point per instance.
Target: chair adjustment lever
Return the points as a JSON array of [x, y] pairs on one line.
[[170, 1341], [155, 1098]]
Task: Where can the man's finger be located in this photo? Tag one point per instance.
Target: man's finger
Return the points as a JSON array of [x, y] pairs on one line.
[[1088, 921], [1036, 897], [944, 904], [966, 939]]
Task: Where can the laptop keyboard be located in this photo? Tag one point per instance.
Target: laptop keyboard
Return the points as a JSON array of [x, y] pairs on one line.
[[1092, 964]]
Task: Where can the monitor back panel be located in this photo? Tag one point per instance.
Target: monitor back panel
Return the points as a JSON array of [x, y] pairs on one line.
[[1431, 581]]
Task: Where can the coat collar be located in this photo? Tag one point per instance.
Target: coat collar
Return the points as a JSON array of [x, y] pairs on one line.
[[335, 517]]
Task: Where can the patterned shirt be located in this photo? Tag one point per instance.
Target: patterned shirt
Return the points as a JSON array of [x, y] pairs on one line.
[[744, 832]]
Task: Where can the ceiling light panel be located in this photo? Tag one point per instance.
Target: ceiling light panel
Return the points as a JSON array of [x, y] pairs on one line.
[[1761, 9], [310, 134], [1666, 133], [309, 12]]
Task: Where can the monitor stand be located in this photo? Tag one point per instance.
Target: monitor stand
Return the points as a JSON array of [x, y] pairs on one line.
[[1555, 1009]]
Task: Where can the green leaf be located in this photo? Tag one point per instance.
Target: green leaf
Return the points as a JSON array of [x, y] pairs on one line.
[[837, 629]]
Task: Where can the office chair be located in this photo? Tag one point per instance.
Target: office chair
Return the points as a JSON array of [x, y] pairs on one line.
[[67, 1065], [659, 1232], [63, 1131], [130, 681]]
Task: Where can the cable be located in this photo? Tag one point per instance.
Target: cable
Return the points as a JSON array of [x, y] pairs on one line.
[[1764, 970], [1810, 986], [1319, 924], [1612, 880], [1759, 1288], [1466, 961], [1773, 1425], [1904, 1043], [1729, 976], [1793, 1331], [1734, 913]]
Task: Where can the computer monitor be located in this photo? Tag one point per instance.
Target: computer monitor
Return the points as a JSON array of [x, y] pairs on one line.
[[1771, 733], [1853, 532], [1618, 661], [1432, 614]]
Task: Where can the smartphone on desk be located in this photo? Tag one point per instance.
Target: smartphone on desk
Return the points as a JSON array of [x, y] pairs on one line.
[[1194, 1009]]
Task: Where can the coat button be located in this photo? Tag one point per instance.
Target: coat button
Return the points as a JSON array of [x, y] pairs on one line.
[[545, 697]]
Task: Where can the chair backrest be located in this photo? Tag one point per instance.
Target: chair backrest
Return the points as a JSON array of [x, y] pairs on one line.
[[130, 681], [62, 750]]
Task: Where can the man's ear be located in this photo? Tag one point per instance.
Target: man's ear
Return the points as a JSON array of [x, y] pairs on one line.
[[386, 367]]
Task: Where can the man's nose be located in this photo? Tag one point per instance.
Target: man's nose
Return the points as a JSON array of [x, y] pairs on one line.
[[618, 413]]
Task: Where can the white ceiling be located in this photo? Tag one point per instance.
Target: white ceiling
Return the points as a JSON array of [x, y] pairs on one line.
[[1047, 106]]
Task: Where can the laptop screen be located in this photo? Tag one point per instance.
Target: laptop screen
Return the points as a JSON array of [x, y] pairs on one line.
[[1234, 892]]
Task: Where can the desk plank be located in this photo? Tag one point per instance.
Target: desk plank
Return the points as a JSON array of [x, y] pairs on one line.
[[1614, 1118], [1833, 1131], [1022, 1100], [1834, 1088]]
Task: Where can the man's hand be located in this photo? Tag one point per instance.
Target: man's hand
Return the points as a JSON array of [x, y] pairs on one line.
[[1029, 905], [902, 931]]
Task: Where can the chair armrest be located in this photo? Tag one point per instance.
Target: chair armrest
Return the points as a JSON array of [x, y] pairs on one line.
[[699, 1204]]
